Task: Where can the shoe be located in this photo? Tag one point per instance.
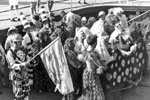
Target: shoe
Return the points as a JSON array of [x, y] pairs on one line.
[[79, 2]]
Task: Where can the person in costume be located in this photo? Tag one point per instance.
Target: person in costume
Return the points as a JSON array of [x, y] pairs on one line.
[[121, 40], [30, 43], [122, 17], [75, 67], [11, 31], [47, 23], [18, 65], [111, 19], [99, 29], [92, 89]]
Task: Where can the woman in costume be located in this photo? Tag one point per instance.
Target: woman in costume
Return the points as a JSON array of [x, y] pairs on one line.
[[92, 89], [85, 47]]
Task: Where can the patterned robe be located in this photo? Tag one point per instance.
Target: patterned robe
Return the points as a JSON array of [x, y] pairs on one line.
[[92, 89], [19, 72]]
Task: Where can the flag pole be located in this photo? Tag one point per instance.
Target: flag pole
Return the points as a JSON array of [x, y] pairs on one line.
[[43, 49], [138, 16]]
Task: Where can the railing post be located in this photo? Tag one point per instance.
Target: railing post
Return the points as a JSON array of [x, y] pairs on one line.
[[71, 5]]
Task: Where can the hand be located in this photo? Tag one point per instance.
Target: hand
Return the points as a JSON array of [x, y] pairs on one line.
[[99, 70], [25, 64], [133, 48]]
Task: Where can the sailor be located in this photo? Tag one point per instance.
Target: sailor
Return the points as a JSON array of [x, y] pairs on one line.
[[13, 4], [83, 21], [84, 1], [50, 4], [98, 26], [33, 4], [18, 65]]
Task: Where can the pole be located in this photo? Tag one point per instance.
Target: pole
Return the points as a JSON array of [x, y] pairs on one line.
[[71, 5], [44, 49]]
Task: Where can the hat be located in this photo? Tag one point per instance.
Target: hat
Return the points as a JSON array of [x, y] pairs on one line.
[[26, 24], [17, 37], [12, 28], [84, 19], [69, 16], [118, 10], [91, 41], [101, 13], [62, 13], [22, 17], [42, 10], [44, 17]]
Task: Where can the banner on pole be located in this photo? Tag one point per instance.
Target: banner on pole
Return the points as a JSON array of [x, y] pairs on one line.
[[141, 22], [56, 65]]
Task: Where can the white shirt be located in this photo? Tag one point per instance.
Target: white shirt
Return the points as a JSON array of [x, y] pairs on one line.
[[98, 28], [13, 2]]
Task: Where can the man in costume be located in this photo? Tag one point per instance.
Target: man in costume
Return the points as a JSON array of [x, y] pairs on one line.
[[17, 60]]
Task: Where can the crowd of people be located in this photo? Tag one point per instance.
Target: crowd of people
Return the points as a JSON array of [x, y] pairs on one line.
[[88, 43]]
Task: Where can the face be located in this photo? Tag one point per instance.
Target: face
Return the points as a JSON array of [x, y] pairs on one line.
[[83, 22], [45, 22], [45, 37], [80, 38], [14, 31], [17, 44], [103, 17], [119, 25], [29, 29]]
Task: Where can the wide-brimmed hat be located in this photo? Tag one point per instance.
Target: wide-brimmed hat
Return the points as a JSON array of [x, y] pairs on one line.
[[92, 42], [11, 29]]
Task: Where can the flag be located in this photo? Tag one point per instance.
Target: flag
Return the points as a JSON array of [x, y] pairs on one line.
[[55, 62], [142, 22]]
